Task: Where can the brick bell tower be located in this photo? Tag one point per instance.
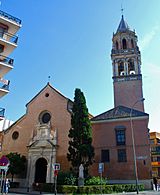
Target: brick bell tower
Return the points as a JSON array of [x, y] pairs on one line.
[[126, 62]]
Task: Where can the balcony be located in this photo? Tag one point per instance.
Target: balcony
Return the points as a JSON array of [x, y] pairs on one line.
[[4, 87], [125, 51], [9, 41], [2, 110], [6, 64], [127, 77], [155, 164], [12, 22]]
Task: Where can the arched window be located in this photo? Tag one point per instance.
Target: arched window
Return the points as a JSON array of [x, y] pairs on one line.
[[121, 68], [132, 43], [131, 68], [117, 45], [124, 44]]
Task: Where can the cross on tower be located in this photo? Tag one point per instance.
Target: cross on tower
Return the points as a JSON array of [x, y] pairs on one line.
[[49, 77]]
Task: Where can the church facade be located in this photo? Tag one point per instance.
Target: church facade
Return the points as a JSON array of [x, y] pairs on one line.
[[120, 135], [41, 135]]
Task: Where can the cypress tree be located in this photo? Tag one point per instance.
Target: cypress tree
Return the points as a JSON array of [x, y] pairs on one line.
[[80, 150]]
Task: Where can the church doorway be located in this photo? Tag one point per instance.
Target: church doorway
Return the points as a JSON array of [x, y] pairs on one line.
[[40, 170]]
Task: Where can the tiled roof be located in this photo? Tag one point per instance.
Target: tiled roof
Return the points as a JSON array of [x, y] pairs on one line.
[[118, 112], [123, 26]]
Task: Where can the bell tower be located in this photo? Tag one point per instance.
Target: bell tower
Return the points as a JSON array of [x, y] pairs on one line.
[[126, 64]]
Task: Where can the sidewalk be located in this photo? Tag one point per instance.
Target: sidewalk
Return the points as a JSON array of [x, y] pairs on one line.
[[23, 191]]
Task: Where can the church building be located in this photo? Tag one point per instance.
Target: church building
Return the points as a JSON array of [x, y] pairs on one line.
[[120, 135]]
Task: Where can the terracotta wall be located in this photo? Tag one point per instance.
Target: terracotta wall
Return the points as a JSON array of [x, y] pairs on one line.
[[104, 138], [56, 104], [127, 93]]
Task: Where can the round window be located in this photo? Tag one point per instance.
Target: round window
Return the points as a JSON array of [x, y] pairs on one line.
[[15, 135], [47, 94], [45, 118]]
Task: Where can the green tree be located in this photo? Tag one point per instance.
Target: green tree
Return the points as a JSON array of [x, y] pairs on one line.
[[80, 150], [17, 164]]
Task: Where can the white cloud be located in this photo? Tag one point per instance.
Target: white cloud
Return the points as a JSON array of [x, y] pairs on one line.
[[147, 39]]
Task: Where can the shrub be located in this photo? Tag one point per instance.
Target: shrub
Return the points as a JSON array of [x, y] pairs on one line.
[[127, 187], [71, 180], [67, 189], [95, 181], [68, 178], [61, 177], [97, 189]]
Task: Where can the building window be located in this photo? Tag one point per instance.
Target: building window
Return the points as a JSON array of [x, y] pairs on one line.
[[121, 68], [47, 94], [124, 44], [151, 141], [131, 68], [15, 135], [132, 43], [154, 159], [1, 48], [0, 147], [158, 140], [122, 155], [120, 137], [104, 155], [44, 117], [117, 45], [158, 158]]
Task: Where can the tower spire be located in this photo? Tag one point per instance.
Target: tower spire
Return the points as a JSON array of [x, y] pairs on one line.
[[123, 26]]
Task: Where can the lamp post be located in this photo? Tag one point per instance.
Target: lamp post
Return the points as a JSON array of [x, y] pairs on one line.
[[133, 144]]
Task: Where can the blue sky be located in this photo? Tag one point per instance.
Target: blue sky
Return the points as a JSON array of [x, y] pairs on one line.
[[70, 41]]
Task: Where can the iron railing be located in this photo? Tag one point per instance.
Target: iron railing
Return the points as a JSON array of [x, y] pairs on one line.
[[123, 51], [4, 84], [6, 60], [9, 37], [9, 17], [127, 77], [2, 110]]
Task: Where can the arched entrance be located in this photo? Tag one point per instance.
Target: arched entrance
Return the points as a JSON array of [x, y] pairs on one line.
[[40, 171]]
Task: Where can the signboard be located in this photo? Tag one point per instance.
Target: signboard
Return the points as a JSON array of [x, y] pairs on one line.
[[100, 167], [5, 168], [141, 157], [56, 166], [4, 161]]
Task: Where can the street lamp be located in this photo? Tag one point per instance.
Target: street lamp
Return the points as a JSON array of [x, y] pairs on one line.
[[133, 144]]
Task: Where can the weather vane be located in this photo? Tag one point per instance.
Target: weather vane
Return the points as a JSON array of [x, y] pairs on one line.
[[122, 9]]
